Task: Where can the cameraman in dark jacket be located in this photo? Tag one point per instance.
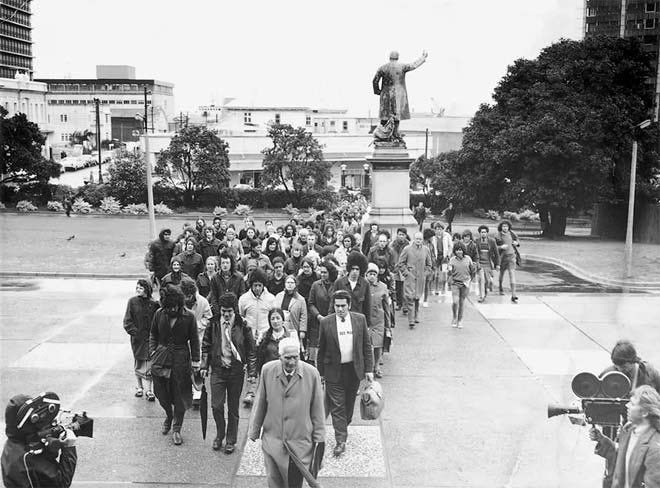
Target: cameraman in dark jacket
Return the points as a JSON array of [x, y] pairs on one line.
[[227, 348], [22, 468]]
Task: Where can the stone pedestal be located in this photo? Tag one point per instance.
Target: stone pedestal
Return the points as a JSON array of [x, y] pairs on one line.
[[390, 188]]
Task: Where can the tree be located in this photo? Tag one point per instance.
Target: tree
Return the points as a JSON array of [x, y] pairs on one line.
[[558, 136], [421, 173], [295, 158], [21, 160], [196, 160], [128, 179]]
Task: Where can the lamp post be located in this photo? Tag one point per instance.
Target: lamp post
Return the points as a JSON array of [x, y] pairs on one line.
[[366, 167], [98, 134], [628, 248], [343, 175], [150, 187]]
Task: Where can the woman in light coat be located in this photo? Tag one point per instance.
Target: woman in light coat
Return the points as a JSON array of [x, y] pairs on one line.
[[294, 306], [379, 314], [415, 265]]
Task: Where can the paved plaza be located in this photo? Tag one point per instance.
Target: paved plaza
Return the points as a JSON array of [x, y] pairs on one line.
[[464, 408]]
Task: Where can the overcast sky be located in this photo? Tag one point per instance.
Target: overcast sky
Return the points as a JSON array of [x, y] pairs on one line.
[[301, 52]]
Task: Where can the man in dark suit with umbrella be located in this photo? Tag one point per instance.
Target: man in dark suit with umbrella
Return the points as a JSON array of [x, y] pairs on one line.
[[345, 358]]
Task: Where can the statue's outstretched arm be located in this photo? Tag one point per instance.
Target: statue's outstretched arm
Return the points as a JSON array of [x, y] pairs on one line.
[[418, 62]]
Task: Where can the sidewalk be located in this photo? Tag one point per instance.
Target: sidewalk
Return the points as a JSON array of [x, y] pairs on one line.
[[104, 246]]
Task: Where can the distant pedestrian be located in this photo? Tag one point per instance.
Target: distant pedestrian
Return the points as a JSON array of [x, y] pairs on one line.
[[276, 281], [420, 214], [225, 280], [370, 238], [489, 260], [289, 416], [210, 245], [345, 358], [318, 306], [160, 254], [67, 202], [137, 323], [203, 280], [268, 348], [228, 348], [379, 315], [508, 243], [415, 265], [356, 285], [449, 213], [294, 306], [397, 246], [200, 308], [191, 261], [461, 271], [176, 275], [175, 352]]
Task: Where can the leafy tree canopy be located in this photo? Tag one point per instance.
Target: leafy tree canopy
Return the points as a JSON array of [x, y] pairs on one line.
[[128, 178], [196, 159], [21, 143], [296, 159], [559, 134]]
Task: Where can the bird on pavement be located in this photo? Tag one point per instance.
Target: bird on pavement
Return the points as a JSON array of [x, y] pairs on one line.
[[122, 255], [70, 237]]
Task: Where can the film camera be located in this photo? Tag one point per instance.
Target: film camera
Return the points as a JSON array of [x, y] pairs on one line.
[[39, 420], [603, 401]]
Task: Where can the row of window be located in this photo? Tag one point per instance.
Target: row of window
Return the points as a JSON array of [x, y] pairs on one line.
[[103, 102], [17, 61], [13, 30], [12, 45], [647, 24], [11, 15], [247, 119], [22, 4], [107, 87], [649, 8]]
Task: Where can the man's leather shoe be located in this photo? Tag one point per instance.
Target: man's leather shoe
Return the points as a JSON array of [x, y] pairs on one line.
[[229, 448], [167, 425], [176, 437], [217, 444], [339, 449]]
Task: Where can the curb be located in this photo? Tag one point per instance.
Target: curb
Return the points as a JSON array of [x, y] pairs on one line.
[[51, 274], [584, 275]]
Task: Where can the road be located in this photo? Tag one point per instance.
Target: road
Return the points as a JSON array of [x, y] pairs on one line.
[[463, 407]]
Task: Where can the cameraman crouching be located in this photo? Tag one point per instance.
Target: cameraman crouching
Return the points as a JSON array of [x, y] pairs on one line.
[[636, 460], [27, 466]]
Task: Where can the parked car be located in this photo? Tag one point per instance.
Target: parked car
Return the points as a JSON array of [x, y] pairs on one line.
[[72, 163]]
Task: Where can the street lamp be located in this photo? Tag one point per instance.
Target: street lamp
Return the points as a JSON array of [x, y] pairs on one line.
[[150, 187], [343, 175], [628, 248], [98, 135], [365, 166]]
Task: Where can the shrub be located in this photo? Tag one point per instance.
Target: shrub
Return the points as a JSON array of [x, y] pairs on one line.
[[110, 205], [493, 215], [480, 213], [291, 210], [26, 206], [529, 215], [220, 211], [243, 210], [94, 193], [162, 209], [2, 206], [81, 206], [55, 206], [135, 209], [512, 216]]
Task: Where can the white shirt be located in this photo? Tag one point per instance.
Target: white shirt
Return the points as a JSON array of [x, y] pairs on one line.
[[345, 336], [353, 284]]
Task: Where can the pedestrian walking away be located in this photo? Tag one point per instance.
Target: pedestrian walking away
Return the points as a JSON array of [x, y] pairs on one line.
[[508, 243], [345, 358], [288, 415]]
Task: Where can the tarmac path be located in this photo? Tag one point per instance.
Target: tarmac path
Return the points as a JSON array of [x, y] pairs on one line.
[[464, 408]]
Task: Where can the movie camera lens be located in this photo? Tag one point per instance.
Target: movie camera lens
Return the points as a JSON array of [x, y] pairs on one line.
[[585, 385]]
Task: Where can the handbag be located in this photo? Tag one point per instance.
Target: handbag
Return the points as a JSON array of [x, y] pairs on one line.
[[372, 401], [161, 362]]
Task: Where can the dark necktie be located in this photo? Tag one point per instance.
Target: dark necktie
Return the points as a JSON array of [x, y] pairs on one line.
[[288, 378]]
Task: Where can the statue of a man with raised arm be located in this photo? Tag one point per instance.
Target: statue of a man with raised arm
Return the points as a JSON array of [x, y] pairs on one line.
[[393, 95]]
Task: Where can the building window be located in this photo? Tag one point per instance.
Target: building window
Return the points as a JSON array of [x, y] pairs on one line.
[[308, 120], [591, 11], [650, 7], [63, 118], [344, 125], [649, 23], [277, 118], [247, 117]]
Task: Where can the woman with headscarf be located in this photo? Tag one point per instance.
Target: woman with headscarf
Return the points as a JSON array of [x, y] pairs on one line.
[[268, 347], [318, 305], [137, 322], [176, 275], [294, 307], [379, 315], [175, 354]]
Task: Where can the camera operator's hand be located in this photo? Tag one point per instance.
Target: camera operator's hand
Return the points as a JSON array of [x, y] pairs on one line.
[[595, 434], [68, 438]]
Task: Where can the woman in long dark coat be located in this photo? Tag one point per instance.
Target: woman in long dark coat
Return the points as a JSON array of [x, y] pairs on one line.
[[175, 353], [318, 305], [137, 323]]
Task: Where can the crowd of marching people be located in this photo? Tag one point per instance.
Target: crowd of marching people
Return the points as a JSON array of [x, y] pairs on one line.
[[228, 297]]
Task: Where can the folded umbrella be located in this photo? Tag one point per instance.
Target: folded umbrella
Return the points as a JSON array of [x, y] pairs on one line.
[[203, 410], [310, 473]]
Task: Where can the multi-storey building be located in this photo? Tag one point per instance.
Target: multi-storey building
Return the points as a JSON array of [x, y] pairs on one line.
[[629, 18], [122, 99], [15, 38]]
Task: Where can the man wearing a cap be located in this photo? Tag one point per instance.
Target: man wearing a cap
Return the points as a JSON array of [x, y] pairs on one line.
[[345, 358], [288, 414]]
